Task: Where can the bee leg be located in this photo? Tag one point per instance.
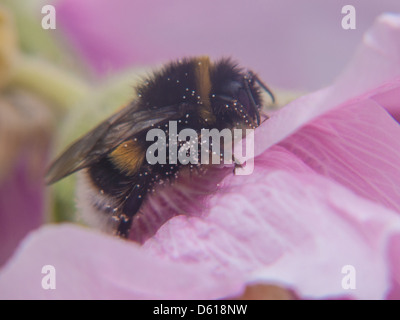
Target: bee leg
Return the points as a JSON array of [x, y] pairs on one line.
[[237, 162], [266, 117], [124, 226], [130, 207]]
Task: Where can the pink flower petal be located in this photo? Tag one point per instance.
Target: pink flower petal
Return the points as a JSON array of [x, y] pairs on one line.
[[358, 146], [305, 109], [280, 226], [26, 125], [188, 195], [21, 208], [376, 61], [394, 257], [346, 137], [390, 101], [90, 265]]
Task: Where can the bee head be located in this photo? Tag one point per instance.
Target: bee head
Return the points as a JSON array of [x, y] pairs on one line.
[[225, 93], [236, 94]]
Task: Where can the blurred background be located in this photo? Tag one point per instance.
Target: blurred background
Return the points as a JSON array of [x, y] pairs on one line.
[[55, 84], [291, 44]]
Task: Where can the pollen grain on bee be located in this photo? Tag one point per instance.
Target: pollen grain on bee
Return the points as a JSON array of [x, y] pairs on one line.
[[190, 147]]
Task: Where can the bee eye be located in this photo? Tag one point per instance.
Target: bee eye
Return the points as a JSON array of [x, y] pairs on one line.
[[224, 98], [232, 88]]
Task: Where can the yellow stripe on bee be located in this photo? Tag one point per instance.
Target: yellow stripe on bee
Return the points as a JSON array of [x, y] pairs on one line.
[[203, 86], [128, 156]]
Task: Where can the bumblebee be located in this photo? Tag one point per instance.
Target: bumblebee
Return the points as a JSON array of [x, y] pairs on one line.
[[194, 92]]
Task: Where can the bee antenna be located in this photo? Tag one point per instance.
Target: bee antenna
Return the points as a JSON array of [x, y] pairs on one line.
[[262, 85], [247, 78]]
